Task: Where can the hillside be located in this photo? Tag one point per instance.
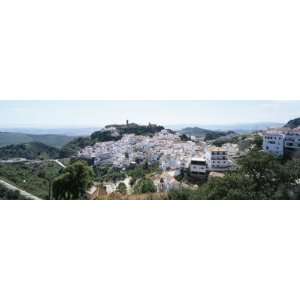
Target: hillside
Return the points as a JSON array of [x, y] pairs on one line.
[[205, 133], [74, 146], [112, 132], [293, 123], [32, 150], [53, 140], [31, 177]]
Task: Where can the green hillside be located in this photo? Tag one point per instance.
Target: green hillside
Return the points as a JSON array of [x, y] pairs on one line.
[[31, 177], [74, 146], [205, 133], [14, 138], [32, 150], [293, 123]]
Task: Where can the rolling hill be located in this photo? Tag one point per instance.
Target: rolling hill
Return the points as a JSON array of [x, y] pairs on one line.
[[205, 133], [32, 150], [15, 138], [293, 123]]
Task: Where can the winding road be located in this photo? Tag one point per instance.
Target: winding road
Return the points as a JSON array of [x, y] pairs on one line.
[[22, 192]]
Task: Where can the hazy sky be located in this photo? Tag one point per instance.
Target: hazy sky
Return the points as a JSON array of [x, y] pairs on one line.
[[51, 114]]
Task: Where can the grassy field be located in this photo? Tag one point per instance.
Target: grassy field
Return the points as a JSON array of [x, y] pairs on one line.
[[30, 177]]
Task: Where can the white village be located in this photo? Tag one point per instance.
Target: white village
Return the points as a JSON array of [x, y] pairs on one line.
[[167, 150]]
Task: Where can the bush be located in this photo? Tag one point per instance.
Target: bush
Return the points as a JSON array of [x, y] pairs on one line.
[[144, 186], [121, 188]]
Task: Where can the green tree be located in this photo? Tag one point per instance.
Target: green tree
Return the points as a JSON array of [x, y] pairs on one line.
[[145, 186], [260, 176], [258, 142], [73, 182], [121, 188]]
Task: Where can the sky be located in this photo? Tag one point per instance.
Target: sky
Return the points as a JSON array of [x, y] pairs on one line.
[[55, 114]]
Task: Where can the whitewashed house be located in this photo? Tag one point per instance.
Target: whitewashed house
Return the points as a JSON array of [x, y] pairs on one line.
[[273, 142], [198, 166], [217, 159]]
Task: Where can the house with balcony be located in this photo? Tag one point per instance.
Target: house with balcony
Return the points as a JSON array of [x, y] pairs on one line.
[[217, 159]]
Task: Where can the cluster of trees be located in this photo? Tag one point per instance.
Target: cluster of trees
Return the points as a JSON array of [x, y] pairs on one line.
[[133, 128], [31, 177], [260, 176], [73, 182], [244, 141], [74, 146], [140, 172], [144, 186], [108, 173], [32, 150]]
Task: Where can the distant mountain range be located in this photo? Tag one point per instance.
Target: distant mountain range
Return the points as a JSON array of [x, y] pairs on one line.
[[239, 128], [85, 131], [14, 138], [70, 131], [35, 146]]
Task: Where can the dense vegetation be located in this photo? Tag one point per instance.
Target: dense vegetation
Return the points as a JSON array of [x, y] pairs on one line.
[[14, 138], [244, 142], [74, 146], [260, 176], [108, 173], [133, 128], [33, 150], [144, 185], [31, 177], [7, 194], [73, 182]]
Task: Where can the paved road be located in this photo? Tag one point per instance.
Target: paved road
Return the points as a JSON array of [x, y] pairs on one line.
[[22, 192], [59, 163], [17, 160]]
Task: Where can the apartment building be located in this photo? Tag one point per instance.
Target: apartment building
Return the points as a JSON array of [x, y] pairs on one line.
[[273, 142], [282, 142], [217, 159], [198, 166], [292, 143]]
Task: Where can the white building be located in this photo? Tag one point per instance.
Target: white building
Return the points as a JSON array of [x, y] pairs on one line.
[[198, 166], [292, 143], [292, 139], [273, 142], [217, 159]]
